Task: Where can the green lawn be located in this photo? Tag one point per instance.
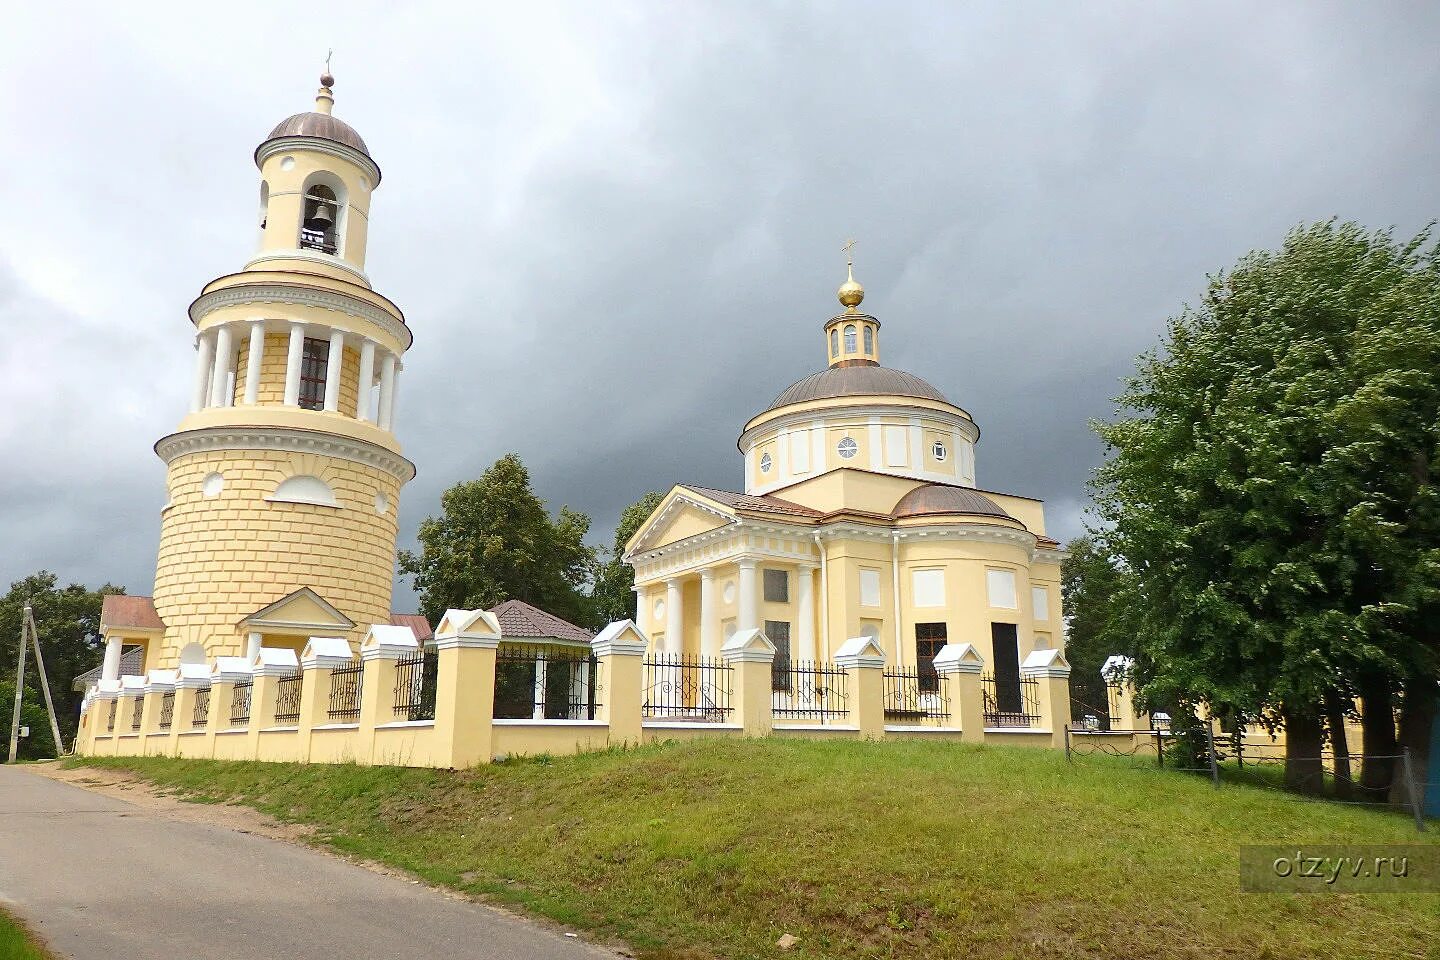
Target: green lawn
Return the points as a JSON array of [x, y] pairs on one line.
[[899, 849], [17, 943]]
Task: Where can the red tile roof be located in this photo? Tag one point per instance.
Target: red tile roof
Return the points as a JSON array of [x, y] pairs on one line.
[[521, 620], [421, 626], [745, 501], [137, 613]]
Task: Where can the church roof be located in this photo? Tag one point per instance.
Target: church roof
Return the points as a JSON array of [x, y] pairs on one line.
[[762, 504], [938, 498], [135, 613], [321, 125], [856, 381], [416, 622], [523, 621]]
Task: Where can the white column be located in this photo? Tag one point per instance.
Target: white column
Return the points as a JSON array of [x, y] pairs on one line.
[[805, 612], [253, 361], [292, 364], [367, 380], [224, 355], [394, 397], [537, 712], [387, 390], [749, 600], [204, 361], [111, 668], [333, 370], [674, 617], [709, 619], [252, 647]]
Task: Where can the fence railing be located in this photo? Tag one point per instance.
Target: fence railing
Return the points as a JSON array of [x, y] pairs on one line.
[[416, 676], [201, 716], [1011, 701], [345, 684], [287, 698], [136, 712], [915, 696], [240, 702], [804, 690], [167, 709], [685, 688], [542, 682]]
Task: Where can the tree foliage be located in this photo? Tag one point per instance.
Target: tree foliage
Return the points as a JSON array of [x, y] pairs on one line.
[[613, 596], [1269, 486], [495, 541], [68, 620], [1090, 582]]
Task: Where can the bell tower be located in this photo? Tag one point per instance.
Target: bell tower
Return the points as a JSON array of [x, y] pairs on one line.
[[284, 478]]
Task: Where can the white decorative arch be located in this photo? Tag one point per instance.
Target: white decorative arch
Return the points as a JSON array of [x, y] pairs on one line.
[[336, 186], [304, 488]]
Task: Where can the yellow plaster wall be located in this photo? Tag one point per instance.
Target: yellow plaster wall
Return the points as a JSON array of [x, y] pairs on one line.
[[688, 523], [282, 231], [225, 557]]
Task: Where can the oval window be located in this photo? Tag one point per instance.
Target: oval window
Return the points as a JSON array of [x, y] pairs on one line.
[[847, 448]]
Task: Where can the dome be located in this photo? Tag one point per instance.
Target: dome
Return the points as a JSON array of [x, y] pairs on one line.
[[857, 381], [320, 125], [936, 498]]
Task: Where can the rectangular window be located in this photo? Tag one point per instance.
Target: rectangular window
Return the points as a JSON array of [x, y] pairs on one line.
[[929, 641], [313, 363], [1000, 586], [869, 587], [928, 587], [777, 586], [895, 453], [1040, 602], [779, 633]]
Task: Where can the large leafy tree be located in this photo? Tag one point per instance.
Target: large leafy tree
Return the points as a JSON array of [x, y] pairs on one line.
[[1269, 489], [1091, 582], [68, 620], [613, 596], [495, 541]]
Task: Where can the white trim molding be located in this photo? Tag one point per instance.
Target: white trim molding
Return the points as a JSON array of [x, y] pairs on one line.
[[176, 445], [331, 148], [305, 296]]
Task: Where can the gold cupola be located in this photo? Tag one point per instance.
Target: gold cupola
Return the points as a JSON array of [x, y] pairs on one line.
[[852, 339]]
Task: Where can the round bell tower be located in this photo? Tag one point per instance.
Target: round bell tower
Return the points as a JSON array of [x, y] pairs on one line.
[[285, 477]]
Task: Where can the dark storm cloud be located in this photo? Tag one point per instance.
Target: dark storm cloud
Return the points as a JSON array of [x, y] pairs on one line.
[[616, 233]]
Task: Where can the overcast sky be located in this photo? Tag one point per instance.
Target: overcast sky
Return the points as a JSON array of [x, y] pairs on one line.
[[615, 230]]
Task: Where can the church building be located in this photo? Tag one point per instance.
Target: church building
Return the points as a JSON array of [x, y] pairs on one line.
[[285, 476], [859, 517]]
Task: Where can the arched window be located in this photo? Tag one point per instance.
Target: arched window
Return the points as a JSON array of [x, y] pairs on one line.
[[304, 488], [849, 338], [322, 212], [869, 340], [834, 343]]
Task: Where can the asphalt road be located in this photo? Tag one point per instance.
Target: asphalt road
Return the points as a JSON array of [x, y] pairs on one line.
[[101, 878]]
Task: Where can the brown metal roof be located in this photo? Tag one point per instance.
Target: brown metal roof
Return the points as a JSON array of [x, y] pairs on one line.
[[858, 381], [521, 620], [416, 622], [319, 125], [137, 613], [763, 504], [936, 498]]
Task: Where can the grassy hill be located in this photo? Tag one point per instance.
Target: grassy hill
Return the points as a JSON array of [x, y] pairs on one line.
[[897, 850], [18, 943]]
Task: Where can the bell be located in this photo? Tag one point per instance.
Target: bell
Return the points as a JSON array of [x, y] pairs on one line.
[[321, 216]]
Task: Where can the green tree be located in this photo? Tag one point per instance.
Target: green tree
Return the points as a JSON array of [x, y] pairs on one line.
[[68, 619], [1090, 581], [495, 541], [1268, 489], [613, 596]]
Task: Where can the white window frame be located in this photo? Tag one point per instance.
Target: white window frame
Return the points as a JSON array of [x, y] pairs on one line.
[[1000, 589], [927, 587], [1040, 603], [869, 587]]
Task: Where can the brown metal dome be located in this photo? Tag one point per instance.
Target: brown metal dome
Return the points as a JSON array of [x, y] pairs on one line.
[[857, 381], [320, 125], [937, 498]]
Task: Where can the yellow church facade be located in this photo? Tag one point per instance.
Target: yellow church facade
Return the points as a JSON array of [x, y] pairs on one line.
[[859, 518], [284, 478]]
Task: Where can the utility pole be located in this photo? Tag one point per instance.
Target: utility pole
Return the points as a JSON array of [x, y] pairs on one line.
[[28, 631]]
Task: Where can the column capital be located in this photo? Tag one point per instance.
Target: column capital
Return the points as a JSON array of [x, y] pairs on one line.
[[747, 563], [707, 574], [673, 582]]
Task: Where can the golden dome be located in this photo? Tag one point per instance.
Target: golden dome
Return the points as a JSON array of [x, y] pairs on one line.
[[850, 293]]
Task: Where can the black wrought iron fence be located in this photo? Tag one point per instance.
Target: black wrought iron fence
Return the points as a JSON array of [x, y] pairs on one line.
[[136, 712], [545, 682], [685, 688], [167, 709], [240, 702], [416, 676], [345, 686], [287, 697], [914, 696], [1089, 716], [1010, 701], [201, 716], [810, 691]]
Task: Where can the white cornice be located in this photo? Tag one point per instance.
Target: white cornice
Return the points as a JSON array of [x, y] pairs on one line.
[[839, 408], [333, 148], [1050, 555], [310, 256], [283, 438], [271, 292], [678, 502]]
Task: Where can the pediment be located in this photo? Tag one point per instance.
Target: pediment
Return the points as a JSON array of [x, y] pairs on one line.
[[682, 514], [302, 611]]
